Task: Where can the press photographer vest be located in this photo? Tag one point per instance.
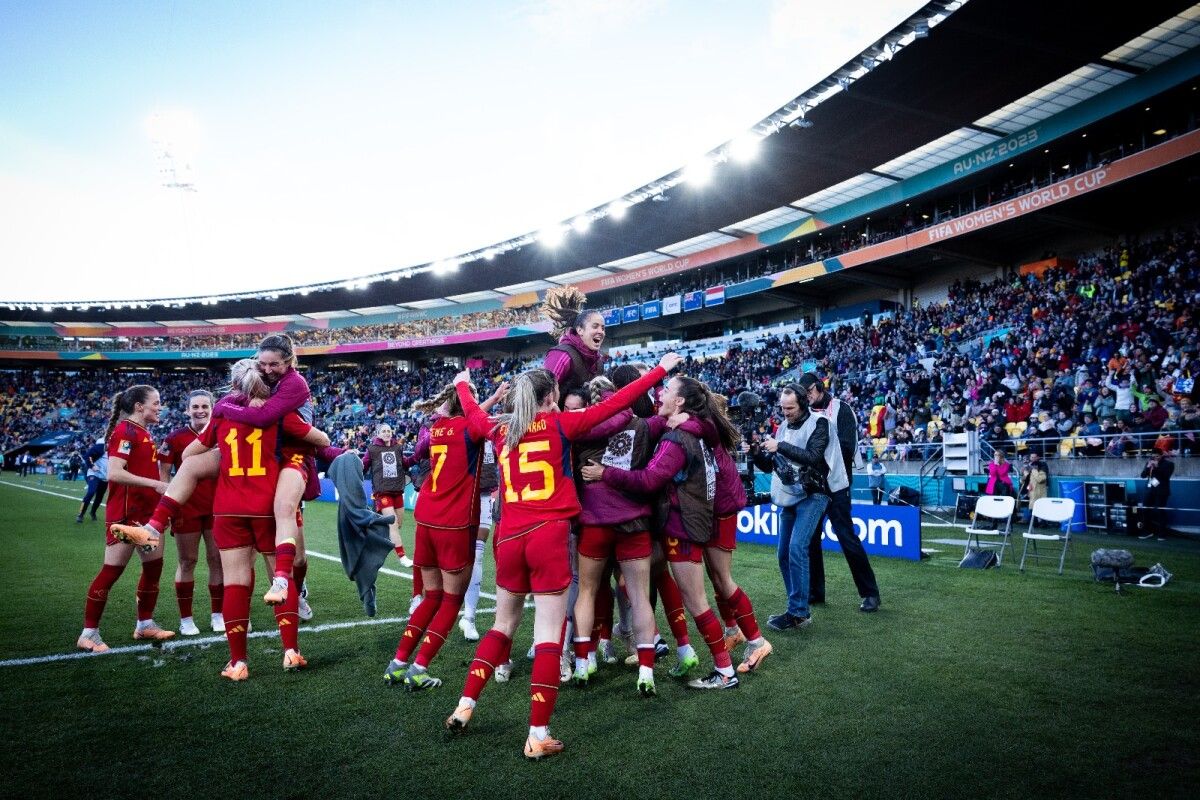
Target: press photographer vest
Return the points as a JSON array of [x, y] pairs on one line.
[[837, 478], [387, 469], [695, 488]]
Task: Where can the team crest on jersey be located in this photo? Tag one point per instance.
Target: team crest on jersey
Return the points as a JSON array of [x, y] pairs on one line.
[[619, 452], [125, 447]]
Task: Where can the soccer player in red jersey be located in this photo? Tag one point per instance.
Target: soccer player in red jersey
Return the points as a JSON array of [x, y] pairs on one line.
[[682, 475], [194, 520], [134, 487], [540, 500], [383, 463], [243, 513], [446, 513]]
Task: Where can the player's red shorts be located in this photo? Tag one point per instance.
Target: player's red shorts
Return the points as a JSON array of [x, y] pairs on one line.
[[449, 549], [192, 524], [724, 533], [535, 561], [598, 542], [231, 533], [293, 458], [682, 551], [110, 539], [386, 500]]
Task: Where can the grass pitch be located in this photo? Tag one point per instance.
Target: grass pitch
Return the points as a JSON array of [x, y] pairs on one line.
[[966, 684]]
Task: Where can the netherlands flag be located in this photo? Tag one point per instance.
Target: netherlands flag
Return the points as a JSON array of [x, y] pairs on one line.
[[714, 296]]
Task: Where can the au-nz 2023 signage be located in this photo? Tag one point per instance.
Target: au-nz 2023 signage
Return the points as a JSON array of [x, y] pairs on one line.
[[891, 531]]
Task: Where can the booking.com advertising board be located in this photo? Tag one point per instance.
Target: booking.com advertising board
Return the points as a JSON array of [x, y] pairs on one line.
[[889, 531]]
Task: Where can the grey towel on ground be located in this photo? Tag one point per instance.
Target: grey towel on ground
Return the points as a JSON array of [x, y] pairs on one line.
[[363, 541]]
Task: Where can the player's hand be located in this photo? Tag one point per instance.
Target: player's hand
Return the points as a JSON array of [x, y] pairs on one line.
[[160, 487], [256, 402], [501, 391], [592, 471], [770, 445], [745, 447], [463, 377], [670, 361], [677, 419]]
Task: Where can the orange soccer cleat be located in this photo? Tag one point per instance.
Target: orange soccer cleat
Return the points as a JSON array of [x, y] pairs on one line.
[[540, 748], [92, 643], [136, 535], [236, 672], [292, 661], [152, 633]]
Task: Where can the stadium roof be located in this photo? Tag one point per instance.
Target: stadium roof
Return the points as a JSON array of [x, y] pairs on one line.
[[990, 68]]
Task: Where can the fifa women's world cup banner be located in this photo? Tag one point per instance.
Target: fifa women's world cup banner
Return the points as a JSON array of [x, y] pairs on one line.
[[890, 531]]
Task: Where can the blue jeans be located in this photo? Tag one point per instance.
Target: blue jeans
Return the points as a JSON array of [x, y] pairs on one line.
[[797, 524]]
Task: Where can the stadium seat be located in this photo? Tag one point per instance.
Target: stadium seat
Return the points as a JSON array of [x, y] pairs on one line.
[[1055, 510], [999, 509]]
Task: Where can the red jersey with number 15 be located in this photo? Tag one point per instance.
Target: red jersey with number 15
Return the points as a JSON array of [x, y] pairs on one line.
[[536, 480], [449, 497], [249, 463], [171, 450], [132, 442]]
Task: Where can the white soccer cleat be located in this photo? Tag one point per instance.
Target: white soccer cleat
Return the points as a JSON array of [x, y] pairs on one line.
[[217, 623], [304, 610], [469, 631], [412, 605], [187, 626], [406, 562]]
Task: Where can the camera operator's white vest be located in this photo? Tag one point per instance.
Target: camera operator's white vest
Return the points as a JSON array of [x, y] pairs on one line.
[[837, 478]]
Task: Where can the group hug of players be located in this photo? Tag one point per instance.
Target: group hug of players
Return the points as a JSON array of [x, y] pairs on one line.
[[594, 481]]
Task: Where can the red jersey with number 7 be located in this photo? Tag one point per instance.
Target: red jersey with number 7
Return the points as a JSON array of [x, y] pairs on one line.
[[536, 480], [449, 496], [249, 463]]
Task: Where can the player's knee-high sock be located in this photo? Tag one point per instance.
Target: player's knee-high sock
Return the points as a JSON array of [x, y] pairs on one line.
[[216, 596], [285, 556], [147, 590], [744, 612], [237, 620], [493, 650], [288, 618], [417, 624], [163, 513], [710, 629], [97, 595], [672, 600], [543, 684], [184, 592], [439, 628]]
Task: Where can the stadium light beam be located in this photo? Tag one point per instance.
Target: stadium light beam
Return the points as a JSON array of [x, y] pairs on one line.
[[617, 209], [699, 172], [553, 236], [744, 148]]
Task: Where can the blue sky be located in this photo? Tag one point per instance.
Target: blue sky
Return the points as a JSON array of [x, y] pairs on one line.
[[328, 141]]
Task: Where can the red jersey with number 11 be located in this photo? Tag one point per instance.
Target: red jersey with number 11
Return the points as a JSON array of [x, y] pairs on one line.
[[449, 497], [536, 481], [249, 463]]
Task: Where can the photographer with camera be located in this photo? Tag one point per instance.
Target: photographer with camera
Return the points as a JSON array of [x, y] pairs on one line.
[[806, 462]]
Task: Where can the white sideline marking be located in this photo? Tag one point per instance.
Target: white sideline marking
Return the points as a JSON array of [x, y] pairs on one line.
[[176, 644]]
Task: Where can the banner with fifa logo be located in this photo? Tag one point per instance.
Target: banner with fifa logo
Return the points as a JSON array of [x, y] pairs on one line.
[[889, 531]]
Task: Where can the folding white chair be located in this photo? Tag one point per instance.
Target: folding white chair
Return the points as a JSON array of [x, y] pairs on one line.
[[999, 509], [1055, 510]]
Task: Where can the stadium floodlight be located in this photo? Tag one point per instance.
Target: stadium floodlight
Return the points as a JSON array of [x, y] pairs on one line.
[[489, 254], [699, 172], [445, 267], [617, 209], [581, 223], [553, 236], [745, 147]]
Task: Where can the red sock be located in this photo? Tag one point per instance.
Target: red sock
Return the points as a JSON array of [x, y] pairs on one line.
[[710, 629], [288, 619], [493, 651], [97, 594], [604, 610], [543, 684], [147, 590], [285, 554], [399, 551], [645, 654], [183, 593], [672, 601], [163, 512], [726, 611], [237, 620], [300, 571], [417, 624], [439, 628], [216, 595], [583, 645], [418, 582], [744, 612]]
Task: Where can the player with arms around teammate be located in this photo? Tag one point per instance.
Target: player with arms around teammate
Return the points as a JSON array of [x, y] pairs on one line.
[[134, 487], [243, 512], [194, 520], [538, 492]]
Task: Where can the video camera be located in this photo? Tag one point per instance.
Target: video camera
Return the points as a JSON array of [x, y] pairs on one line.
[[749, 415]]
